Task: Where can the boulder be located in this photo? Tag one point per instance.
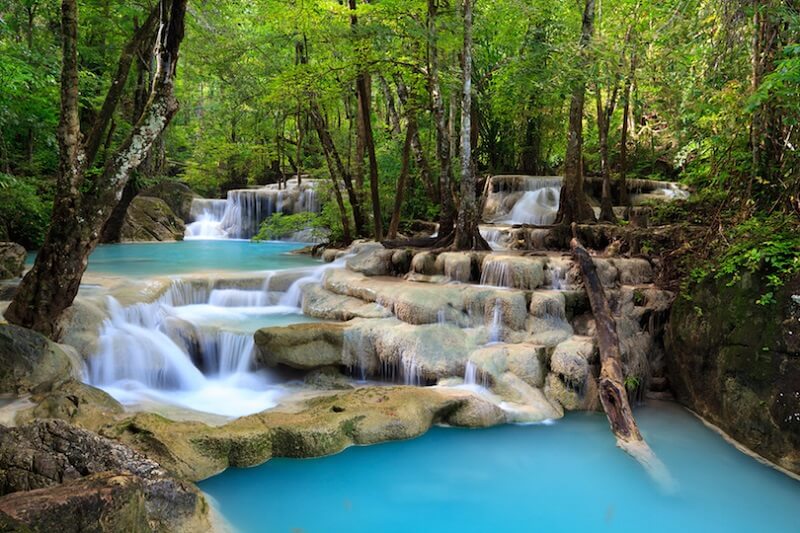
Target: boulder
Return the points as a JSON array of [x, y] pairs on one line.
[[151, 219], [29, 362], [104, 503], [456, 266], [321, 303], [40, 456], [12, 260], [302, 346], [176, 195], [737, 363], [523, 360], [372, 260], [570, 360], [74, 402]]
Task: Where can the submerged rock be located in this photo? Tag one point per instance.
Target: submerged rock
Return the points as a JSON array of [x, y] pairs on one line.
[[151, 219], [12, 260]]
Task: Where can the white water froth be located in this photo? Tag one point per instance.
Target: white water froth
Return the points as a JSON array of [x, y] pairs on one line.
[[189, 348], [538, 207], [241, 213]]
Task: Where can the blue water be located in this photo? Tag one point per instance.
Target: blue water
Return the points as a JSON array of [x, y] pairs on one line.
[[565, 477], [151, 259]]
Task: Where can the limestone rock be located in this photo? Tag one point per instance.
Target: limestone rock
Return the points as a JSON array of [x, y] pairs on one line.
[[372, 260], [321, 303], [30, 362], [302, 346], [151, 219], [518, 272], [74, 402], [737, 363], [12, 260], [571, 358], [456, 266], [523, 360], [178, 196]]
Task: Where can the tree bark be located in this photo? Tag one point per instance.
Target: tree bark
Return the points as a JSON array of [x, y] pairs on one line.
[[78, 217], [366, 125], [447, 215], [336, 170], [766, 131], [623, 142], [574, 207], [468, 236], [611, 384], [604, 114], [402, 180], [420, 158], [95, 137]]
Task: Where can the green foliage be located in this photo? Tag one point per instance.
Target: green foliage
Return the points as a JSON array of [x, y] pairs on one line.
[[280, 226], [24, 212], [631, 383], [768, 246]]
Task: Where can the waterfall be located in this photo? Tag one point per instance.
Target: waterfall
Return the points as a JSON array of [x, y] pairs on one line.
[[496, 328], [293, 297], [475, 376], [496, 273], [238, 298], [441, 318], [188, 348], [241, 214], [538, 207]]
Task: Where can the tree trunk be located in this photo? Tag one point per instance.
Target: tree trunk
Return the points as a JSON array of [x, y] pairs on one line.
[[603, 123], [366, 125], [766, 131], [624, 199], [336, 170], [447, 215], [403, 179], [392, 118], [420, 159], [468, 236], [611, 385], [51, 285], [574, 207]]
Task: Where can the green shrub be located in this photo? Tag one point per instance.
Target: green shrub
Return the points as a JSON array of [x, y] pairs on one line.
[[280, 226], [24, 212]]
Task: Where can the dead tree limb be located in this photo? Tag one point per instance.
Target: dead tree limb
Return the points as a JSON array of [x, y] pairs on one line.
[[611, 384]]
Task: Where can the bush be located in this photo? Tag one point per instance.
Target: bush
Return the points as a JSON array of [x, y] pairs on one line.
[[24, 212], [280, 226]]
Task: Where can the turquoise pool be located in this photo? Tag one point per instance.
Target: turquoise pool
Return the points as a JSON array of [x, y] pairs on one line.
[[565, 477], [153, 259]]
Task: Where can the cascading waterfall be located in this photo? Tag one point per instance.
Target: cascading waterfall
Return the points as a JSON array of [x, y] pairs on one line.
[[241, 214], [496, 328], [538, 207], [496, 273], [188, 349], [475, 376]]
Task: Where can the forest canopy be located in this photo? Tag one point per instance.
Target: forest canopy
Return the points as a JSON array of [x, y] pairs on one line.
[[694, 90]]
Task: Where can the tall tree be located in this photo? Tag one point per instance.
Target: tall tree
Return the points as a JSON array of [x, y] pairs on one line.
[[83, 201], [468, 236], [574, 206]]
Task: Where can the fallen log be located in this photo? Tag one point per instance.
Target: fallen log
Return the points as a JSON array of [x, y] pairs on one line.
[[611, 385]]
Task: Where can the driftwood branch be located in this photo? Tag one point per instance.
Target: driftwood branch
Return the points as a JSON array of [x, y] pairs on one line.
[[611, 384]]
